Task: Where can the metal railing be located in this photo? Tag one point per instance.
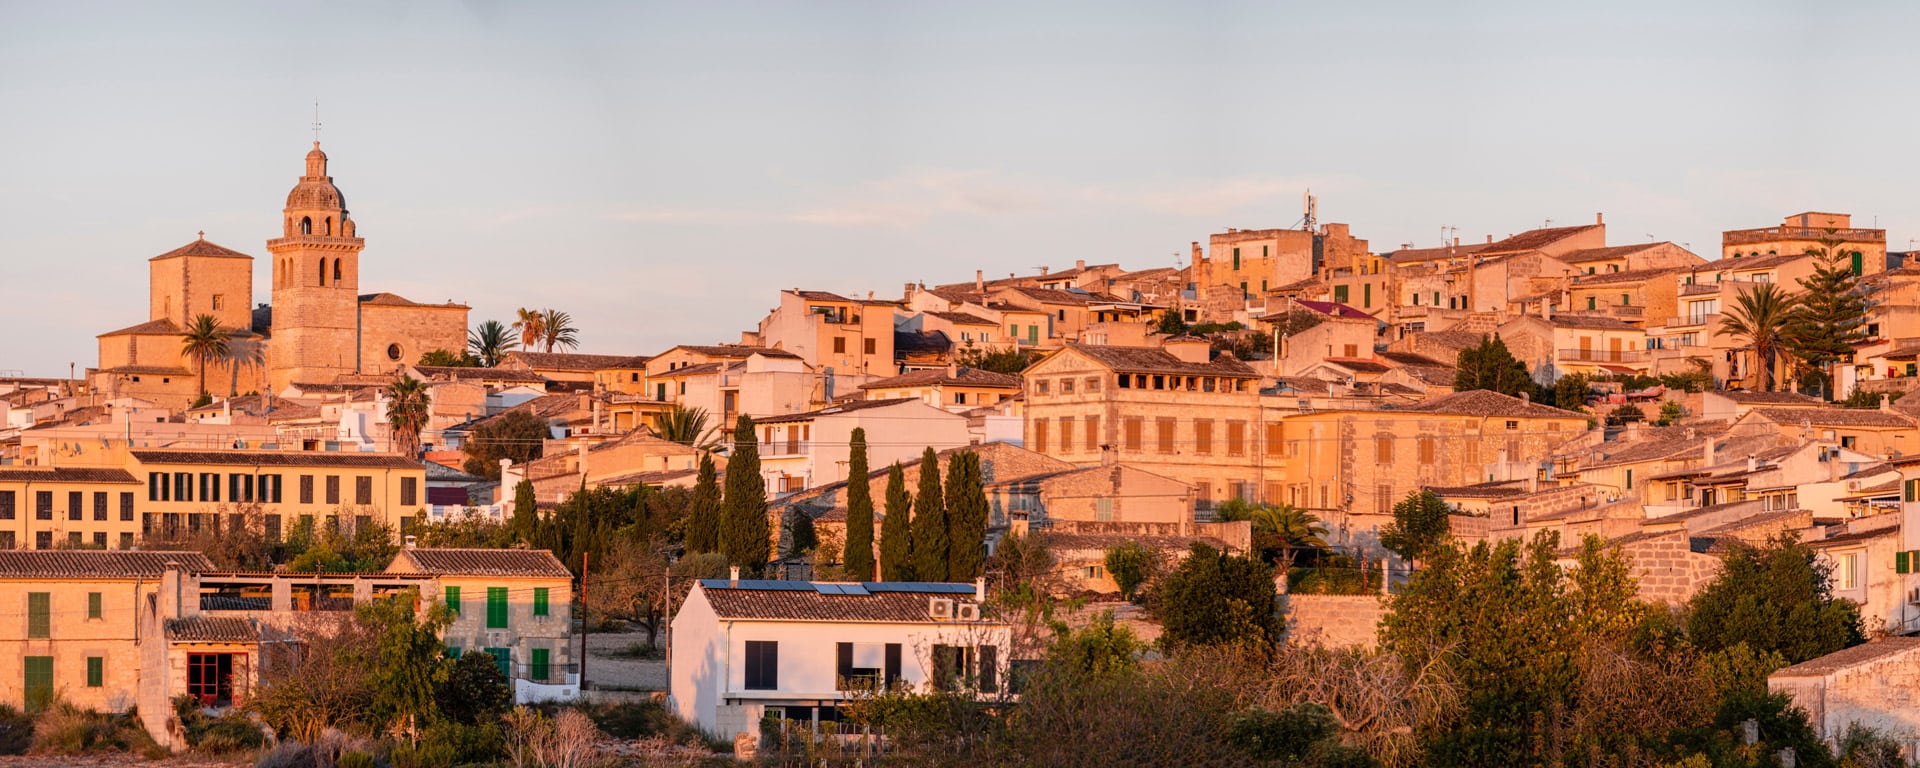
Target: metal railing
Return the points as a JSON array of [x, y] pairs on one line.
[[1602, 355]]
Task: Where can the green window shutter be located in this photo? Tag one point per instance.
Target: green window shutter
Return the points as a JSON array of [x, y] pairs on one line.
[[39, 615], [1907, 495], [540, 601], [1901, 562], [93, 605], [503, 659], [496, 607], [453, 600], [1858, 263], [453, 652], [538, 666], [1629, 479], [1366, 295], [96, 671], [39, 674]]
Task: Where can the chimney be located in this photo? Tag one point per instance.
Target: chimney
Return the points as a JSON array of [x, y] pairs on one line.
[[1043, 270], [1546, 308], [170, 591], [411, 540], [1886, 403], [1753, 463], [980, 280], [1526, 397], [1489, 239], [1707, 454], [1079, 263], [1456, 241], [980, 589], [580, 448], [906, 293], [1599, 218], [1196, 252], [1107, 457], [1188, 349], [733, 576]]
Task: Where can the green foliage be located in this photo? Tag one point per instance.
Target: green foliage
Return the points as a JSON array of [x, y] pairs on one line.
[[361, 549], [593, 521], [1491, 366], [526, 510], [896, 529], [1100, 647], [686, 426], [1170, 323], [1303, 734], [703, 514], [473, 690], [1865, 400], [1625, 413], [228, 733], [446, 744], [1420, 525], [1213, 598], [1010, 360], [966, 505], [799, 537], [516, 434], [204, 340], [1831, 318], [1670, 411], [1281, 533], [489, 342], [355, 759], [859, 546], [1863, 747], [1775, 598], [931, 532], [1131, 564], [443, 358], [1571, 392], [744, 534], [408, 659], [1762, 315], [64, 729], [470, 530]]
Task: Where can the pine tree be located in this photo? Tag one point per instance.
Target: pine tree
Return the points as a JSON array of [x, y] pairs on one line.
[[703, 511], [1832, 315], [896, 531], [1491, 366], [859, 549], [966, 518], [526, 518], [930, 542], [743, 517]]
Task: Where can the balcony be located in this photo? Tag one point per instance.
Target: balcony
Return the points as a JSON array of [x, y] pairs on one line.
[[1692, 320], [779, 449], [1698, 289], [1601, 355]]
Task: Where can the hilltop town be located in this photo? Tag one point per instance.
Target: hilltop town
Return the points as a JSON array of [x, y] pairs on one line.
[[1296, 440]]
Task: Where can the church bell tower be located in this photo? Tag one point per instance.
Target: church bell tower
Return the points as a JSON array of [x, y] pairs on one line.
[[316, 283]]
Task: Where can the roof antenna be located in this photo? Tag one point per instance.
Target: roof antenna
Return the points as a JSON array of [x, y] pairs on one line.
[[316, 122]]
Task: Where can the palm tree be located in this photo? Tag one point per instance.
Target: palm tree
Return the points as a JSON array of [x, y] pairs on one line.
[[249, 352], [1288, 528], [1761, 314], [491, 341], [686, 426], [556, 330], [205, 340], [532, 326], [407, 412]]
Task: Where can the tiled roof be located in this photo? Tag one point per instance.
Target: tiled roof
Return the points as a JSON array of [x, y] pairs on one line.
[[1051, 296], [691, 370], [1453, 339], [212, 629], [340, 459], [460, 372], [1745, 397], [1410, 255], [202, 247], [396, 300], [1751, 263], [963, 376], [484, 562], [1411, 358], [1630, 276], [820, 296], [1533, 240], [65, 475], [1075, 541], [734, 351], [1493, 490], [1592, 322], [1654, 444], [1331, 309], [963, 318], [1834, 417], [576, 362], [1607, 254], [161, 327], [96, 564], [1152, 360], [1859, 654], [899, 603], [1482, 402], [834, 410]]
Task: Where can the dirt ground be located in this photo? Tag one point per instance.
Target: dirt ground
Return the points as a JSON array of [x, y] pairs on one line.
[[112, 761], [606, 671]]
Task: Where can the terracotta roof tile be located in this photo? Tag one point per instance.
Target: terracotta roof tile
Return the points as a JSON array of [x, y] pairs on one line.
[[834, 410], [202, 247], [1481, 402], [1834, 417], [575, 362], [278, 459], [963, 376], [884, 602], [1745, 397], [161, 327], [66, 475], [462, 372], [1533, 240], [731, 351], [96, 564], [1859, 654], [212, 629], [1153, 360], [1607, 254], [1630, 276], [483, 562], [963, 318]]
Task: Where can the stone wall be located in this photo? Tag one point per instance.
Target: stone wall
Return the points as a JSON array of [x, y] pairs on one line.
[[412, 331], [1334, 620], [1667, 568]]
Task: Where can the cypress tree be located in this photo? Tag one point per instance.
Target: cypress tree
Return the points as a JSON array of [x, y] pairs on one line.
[[859, 557], [743, 512], [526, 519], [930, 542], [896, 531], [703, 512], [966, 518]]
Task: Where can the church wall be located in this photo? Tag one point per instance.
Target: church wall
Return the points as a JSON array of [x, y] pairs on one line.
[[186, 287], [415, 330]]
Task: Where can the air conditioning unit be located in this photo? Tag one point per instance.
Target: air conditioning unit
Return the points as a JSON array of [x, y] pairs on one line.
[[940, 608], [967, 612]]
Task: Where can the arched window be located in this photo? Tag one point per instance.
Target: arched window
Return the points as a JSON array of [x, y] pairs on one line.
[[323, 271], [329, 225], [306, 225], [336, 271]]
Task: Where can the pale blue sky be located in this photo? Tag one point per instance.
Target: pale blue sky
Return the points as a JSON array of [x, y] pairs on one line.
[[661, 170]]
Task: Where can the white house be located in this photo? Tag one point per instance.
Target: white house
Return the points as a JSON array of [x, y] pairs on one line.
[[801, 450], [799, 648]]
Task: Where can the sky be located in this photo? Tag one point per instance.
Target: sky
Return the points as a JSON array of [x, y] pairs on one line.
[[661, 171]]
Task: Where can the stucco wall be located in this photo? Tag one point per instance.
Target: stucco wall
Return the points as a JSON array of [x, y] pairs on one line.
[[1334, 620]]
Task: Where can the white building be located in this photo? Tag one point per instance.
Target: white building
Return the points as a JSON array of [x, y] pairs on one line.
[[743, 648], [799, 451]]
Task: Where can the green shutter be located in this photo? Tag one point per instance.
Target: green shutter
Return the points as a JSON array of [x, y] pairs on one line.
[[39, 615], [93, 605], [503, 659], [1629, 479], [453, 600], [539, 601], [1908, 494], [496, 607], [453, 652], [538, 671], [1901, 562], [96, 671], [39, 682], [1366, 295]]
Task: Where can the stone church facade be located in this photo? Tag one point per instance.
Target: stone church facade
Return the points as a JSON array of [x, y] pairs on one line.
[[318, 326]]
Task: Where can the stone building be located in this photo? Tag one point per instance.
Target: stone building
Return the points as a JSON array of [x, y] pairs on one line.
[[1871, 685]]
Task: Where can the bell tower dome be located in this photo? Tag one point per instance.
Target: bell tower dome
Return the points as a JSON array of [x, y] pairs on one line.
[[316, 282]]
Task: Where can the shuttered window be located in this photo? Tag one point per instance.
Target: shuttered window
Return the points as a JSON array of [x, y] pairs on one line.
[[762, 665], [538, 665], [39, 615], [540, 601], [93, 605], [96, 671], [496, 607], [453, 600]]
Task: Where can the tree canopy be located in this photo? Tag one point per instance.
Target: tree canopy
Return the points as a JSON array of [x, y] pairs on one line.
[[1491, 366], [859, 546], [745, 536], [516, 434], [1214, 598]]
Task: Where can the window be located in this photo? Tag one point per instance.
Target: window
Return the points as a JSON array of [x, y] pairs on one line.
[[1626, 300], [1093, 383], [1066, 386], [1163, 431], [76, 505], [409, 489], [496, 607], [333, 489], [43, 505], [959, 398], [39, 614], [126, 506], [1629, 479], [210, 678], [93, 605], [219, 302], [363, 490], [96, 671], [859, 666], [453, 601], [1040, 435], [1066, 434], [6, 505], [1236, 258], [540, 601], [270, 489], [1846, 571], [1383, 450], [1366, 295], [1236, 438], [762, 665], [538, 664], [868, 346], [1276, 442], [99, 505], [1203, 437], [39, 682], [1426, 450], [126, 541], [839, 345], [43, 540], [1043, 387], [1136, 426], [1340, 294]]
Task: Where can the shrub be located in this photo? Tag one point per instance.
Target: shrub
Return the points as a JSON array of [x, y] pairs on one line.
[[461, 744], [355, 759], [64, 729], [287, 754], [422, 755], [229, 733], [16, 731]]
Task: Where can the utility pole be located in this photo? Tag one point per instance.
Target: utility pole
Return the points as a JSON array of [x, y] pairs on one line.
[[583, 620]]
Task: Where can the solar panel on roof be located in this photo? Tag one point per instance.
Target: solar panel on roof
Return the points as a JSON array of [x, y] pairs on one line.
[[827, 589], [934, 587], [854, 589]]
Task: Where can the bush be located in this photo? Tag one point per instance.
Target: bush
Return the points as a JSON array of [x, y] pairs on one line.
[[422, 755], [354, 759], [460, 744], [229, 733], [64, 729], [16, 731]]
